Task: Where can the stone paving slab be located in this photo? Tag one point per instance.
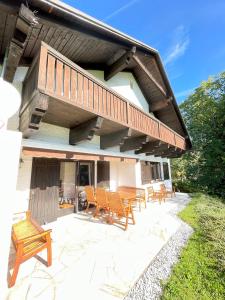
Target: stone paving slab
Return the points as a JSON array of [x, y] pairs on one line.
[[95, 260]]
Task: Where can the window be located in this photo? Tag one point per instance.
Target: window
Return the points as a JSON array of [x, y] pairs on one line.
[[146, 175], [150, 171], [85, 174], [166, 171], [103, 174], [156, 170]]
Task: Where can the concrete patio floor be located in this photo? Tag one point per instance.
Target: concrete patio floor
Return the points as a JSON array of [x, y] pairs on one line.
[[95, 260]]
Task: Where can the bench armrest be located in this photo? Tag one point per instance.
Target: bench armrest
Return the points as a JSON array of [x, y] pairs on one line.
[[34, 237]]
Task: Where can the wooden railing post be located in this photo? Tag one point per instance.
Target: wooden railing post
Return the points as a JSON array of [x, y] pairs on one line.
[[42, 76]]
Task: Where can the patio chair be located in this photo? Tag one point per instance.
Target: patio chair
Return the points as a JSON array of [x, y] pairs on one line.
[[29, 239], [155, 195], [90, 196], [119, 209], [101, 200], [139, 192], [167, 192]]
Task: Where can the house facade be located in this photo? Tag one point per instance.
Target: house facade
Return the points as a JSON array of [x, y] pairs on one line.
[[96, 107]]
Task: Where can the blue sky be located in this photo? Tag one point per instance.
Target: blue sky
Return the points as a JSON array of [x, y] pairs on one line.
[[190, 35]]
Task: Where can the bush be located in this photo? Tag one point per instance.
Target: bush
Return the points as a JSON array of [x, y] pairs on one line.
[[184, 186]]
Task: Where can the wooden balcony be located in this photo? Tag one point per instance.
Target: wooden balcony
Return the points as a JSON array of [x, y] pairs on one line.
[[58, 91]]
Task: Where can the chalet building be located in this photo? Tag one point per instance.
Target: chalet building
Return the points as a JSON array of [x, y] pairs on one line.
[[96, 107]]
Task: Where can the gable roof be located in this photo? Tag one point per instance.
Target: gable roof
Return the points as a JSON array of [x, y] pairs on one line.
[[93, 44]]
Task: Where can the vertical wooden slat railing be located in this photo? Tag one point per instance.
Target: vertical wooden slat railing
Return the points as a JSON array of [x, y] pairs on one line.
[[62, 79]]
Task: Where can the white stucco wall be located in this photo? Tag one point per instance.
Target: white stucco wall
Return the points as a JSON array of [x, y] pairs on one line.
[[122, 173], [13, 122], [23, 184], [125, 84]]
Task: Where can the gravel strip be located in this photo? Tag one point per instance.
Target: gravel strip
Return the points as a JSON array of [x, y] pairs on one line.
[[148, 286]]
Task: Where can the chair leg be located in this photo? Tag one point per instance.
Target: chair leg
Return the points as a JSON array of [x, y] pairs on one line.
[[49, 251], [126, 225], [132, 216], [16, 266], [96, 211], [87, 208]]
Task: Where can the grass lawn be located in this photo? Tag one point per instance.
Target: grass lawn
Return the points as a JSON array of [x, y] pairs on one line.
[[200, 272]]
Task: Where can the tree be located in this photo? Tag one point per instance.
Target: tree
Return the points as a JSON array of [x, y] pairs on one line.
[[204, 115]]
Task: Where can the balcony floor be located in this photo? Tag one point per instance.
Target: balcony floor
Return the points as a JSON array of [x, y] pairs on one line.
[[94, 260]]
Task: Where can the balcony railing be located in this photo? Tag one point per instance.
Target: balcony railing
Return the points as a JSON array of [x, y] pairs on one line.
[[58, 77]]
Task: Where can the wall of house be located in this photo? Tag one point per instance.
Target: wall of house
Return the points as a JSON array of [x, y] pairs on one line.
[[125, 84], [122, 173], [23, 184]]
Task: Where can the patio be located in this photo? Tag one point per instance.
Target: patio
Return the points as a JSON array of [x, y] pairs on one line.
[[95, 260]]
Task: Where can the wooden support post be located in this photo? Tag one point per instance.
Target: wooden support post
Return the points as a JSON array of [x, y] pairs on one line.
[[149, 147], [150, 75], [134, 143], [120, 64], [85, 131], [32, 113], [115, 139], [25, 21]]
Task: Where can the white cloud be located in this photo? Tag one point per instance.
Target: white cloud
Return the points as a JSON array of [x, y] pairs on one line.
[[122, 8], [184, 93], [179, 46]]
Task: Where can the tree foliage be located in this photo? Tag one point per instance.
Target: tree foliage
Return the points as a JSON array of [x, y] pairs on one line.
[[204, 116]]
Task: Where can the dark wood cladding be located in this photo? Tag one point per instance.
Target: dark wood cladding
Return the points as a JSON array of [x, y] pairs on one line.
[[44, 192], [60, 78]]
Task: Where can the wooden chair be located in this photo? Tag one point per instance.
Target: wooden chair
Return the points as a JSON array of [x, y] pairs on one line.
[[101, 200], [29, 239], [139, 192], [119, 209], [167, 192], [90, 196], [155, 195]]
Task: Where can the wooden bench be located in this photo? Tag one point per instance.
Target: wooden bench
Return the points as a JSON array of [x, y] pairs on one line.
[[29, 239], [139, 192]]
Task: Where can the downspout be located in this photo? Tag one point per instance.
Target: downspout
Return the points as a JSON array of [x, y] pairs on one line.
[[4, 62], [2, 123]]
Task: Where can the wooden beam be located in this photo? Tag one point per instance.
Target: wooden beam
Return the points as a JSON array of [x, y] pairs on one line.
[[159, 150], [25, 21], [85, 131], [149, 147], [174, 154], [119, 65], [134, 143], [169, 150], [115, 139], [150, 75], [32, 113], [160, 105]]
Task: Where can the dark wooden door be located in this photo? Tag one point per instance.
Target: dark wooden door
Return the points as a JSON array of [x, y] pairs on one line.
[[103, 174], [44, 193]]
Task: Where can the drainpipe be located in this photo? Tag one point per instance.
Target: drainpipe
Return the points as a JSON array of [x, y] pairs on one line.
[[4, 63]]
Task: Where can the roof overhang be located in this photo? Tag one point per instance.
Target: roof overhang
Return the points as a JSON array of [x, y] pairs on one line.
[[56, 13]]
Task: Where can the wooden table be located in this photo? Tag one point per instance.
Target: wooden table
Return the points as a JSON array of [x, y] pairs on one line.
[[125, 196]]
